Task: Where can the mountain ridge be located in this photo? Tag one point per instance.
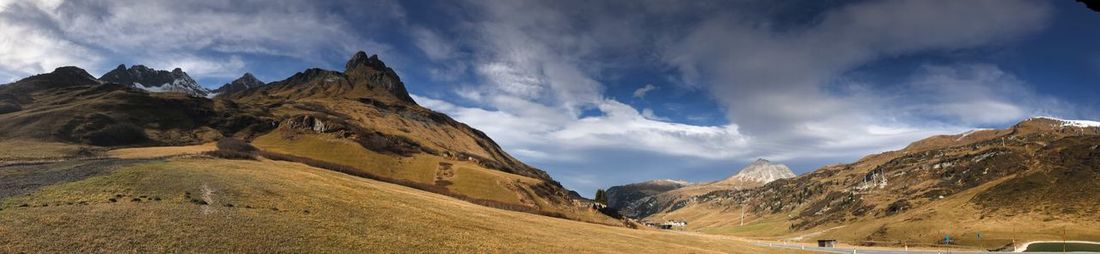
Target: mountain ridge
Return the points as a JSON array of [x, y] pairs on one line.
[[361, 120]]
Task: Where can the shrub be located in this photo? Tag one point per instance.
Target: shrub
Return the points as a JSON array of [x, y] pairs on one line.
[[6, 107], [234, 149]]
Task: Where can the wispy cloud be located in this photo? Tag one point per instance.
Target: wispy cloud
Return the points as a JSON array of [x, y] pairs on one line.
[[641, 91]]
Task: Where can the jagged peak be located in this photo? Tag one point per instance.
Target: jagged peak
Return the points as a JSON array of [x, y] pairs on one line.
[[361, 58], [364, 68]]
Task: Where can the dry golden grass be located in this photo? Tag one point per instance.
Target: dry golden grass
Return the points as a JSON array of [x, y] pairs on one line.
[[922, 227], [160, 151], [469, 178], [346, 214], [26, 149]]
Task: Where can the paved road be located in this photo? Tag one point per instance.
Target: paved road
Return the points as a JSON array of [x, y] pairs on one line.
[[874, 251]]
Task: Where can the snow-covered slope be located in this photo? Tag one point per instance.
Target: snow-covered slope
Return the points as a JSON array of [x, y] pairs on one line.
[[153, 80]]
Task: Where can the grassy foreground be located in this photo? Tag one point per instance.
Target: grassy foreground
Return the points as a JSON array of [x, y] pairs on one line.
[[207, 205]]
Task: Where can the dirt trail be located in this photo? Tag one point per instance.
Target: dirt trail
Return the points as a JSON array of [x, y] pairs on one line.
[[208, 196]]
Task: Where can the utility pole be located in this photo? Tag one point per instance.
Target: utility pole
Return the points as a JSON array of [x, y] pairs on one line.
[[742, 214], [1063, 238]]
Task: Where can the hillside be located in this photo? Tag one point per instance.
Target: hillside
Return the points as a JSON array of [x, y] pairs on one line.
[[1038, 175], [206, 205], [360, 120]]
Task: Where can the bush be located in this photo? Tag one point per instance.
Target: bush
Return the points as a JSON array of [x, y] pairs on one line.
[[7, 107], [234, 149], [237, 145], [116, 135]]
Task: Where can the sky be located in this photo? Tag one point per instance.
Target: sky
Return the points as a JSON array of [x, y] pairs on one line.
[[603, 93]]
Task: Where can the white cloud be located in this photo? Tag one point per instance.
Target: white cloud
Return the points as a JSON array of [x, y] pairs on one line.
[[229, 67], [173, 33], [25, 49], [620, 127], [776, 83], [640, 93], [648, 114], [432, 46]]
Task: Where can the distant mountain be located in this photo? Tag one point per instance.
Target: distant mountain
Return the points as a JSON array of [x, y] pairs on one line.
[[245, 82], [153, 80], [643, 199], [619, 197], [1040, 171], [762, 171]]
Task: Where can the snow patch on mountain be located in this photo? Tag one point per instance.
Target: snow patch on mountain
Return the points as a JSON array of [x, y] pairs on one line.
[[157, 81], [1071, 123]]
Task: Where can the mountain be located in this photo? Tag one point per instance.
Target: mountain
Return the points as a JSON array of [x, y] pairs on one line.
[[245, 82], [760, 171], [69, 105], [1039, 171], [359, 121], [152, 80], [644, 199]]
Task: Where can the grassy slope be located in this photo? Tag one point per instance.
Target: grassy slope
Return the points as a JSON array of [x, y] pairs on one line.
[[153, 152], [954, 216], [469, 178], [26, 149], [346, 214]]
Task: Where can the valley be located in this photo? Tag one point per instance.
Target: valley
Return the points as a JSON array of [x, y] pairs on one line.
[[177, 202]]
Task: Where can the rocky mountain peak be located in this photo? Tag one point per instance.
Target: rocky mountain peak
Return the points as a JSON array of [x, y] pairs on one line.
[[245, 82], [72, 71], [369, 69], [67, 75], [764, 171], [152, 80]]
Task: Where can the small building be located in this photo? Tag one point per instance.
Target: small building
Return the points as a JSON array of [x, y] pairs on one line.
[[672, 224], [826, 243]]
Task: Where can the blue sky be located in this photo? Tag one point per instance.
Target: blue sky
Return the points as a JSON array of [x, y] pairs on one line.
[[607, 93]]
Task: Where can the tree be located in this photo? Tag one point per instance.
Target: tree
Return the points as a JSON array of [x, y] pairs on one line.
[[601, 196]]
